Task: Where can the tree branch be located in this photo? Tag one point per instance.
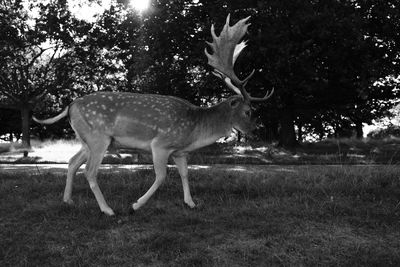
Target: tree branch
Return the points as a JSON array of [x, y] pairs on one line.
[[10, 106], [15, 79], [42, 50], [47, 68], [24, 78], [9, 86], [11, 96], [5, 82]]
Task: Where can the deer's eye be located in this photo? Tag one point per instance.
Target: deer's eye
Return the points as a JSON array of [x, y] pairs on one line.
[[247, 113]]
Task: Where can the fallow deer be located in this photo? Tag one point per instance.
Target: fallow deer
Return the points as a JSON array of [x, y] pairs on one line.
[[164, 125]]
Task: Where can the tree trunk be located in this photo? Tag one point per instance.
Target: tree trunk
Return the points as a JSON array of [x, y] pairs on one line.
[[271, 130], [287, 134], [359, 130], [300, 132], [25, 117], [239, 137]]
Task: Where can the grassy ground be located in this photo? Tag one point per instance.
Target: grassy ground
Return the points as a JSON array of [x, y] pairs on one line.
[[288, 216]]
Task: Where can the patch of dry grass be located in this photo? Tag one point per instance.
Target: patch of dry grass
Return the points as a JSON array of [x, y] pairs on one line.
[[57, 151], [291, 216]]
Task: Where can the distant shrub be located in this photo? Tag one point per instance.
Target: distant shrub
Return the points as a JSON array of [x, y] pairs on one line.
[[390, 131]]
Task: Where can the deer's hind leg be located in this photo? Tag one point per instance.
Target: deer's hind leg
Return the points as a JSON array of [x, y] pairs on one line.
[[97, 148], [74, 163]]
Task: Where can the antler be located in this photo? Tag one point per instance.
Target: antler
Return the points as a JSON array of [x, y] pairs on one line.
[[226, 48]]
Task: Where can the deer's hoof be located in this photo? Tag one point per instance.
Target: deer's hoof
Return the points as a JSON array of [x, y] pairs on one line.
[[135, 206], [69, 202], [190, 204], [108, 212]]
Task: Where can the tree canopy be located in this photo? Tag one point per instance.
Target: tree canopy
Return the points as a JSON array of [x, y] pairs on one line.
[[334, 64]]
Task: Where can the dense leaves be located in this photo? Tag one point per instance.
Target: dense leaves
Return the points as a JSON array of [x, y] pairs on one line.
[[333, 64]]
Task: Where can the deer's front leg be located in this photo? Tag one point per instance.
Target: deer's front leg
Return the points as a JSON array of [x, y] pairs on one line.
[[160, 160], [181, 163]]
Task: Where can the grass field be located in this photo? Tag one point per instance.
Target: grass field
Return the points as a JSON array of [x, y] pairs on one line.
[[286, 216]]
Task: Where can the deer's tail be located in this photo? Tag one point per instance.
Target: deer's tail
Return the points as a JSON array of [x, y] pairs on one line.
[[63, 114]]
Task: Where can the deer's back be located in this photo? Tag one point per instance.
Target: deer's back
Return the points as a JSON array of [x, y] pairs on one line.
[[135, 120]]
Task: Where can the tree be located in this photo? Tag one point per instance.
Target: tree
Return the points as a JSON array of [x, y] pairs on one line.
[[52, 58], [320, 58], [28, 60], [332, 63], [18, 63]]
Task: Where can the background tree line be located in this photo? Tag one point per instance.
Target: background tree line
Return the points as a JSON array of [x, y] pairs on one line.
[[334, 64]]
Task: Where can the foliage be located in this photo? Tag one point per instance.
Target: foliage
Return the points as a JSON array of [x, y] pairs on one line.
[[28, 69], [333, 64], [389, 131], [324, 61]]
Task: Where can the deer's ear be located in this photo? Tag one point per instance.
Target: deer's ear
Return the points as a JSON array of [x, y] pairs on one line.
[[235, 102]]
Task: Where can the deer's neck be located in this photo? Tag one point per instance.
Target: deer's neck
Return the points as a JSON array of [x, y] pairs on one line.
[[212, 123]]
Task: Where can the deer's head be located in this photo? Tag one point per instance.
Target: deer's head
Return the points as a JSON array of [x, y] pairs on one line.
[[225, 49]]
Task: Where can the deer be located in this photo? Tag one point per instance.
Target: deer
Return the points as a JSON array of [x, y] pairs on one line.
[[166, 126]]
